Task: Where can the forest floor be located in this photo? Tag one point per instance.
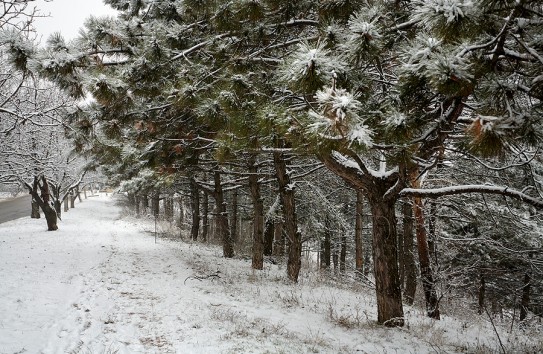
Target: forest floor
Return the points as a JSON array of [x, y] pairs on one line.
[[100, 284]]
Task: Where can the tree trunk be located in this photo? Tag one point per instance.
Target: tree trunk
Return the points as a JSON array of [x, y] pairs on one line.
[[426, 273], [258, 215], [279, 240], [290, 223], [72, 197], [268, 237], [326, 246], [343, 255], [222, 216], [57, 204], [35, 214], [168, 208], [432, 236], [137, 201], [385, 262], [234, 217], [205, 216], [65, 202], [410, 267], [525, 301], [181, 205], [145, 203], [358, 244], [155, 204], [51, 217], [482, 291], [195, 208], [43, 201]]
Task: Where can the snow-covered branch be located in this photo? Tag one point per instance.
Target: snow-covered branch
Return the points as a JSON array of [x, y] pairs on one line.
[[474, 188]]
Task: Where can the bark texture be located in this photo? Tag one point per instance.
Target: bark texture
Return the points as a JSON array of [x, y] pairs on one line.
[[385, 263]]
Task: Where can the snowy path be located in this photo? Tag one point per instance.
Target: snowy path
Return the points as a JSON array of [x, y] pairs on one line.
[[96, 285]]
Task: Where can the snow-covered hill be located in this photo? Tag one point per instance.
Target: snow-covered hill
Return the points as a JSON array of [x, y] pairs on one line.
[[100, 284]]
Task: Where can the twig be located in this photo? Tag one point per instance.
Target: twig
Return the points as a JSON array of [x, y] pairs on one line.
[[200, 278]]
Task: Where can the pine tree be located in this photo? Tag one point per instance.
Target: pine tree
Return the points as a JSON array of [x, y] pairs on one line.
[[379, 91]]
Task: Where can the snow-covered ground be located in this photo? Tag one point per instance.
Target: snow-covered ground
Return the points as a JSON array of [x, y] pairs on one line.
[[100, 284]]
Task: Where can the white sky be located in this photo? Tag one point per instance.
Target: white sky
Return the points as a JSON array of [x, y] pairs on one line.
[[66, 16]]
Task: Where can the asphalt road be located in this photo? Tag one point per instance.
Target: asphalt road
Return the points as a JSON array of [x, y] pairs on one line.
[[14, 208]]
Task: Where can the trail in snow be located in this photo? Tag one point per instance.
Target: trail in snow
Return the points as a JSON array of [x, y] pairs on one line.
[[98, 284]]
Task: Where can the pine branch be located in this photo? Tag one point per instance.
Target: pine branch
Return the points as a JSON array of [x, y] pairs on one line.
[[466, 189]]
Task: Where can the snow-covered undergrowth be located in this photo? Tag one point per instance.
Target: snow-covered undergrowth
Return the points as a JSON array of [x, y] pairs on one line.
[[100, 284]]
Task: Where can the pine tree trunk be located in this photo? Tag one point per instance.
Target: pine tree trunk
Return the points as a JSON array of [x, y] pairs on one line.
[[195, 208], [268, 238], [290, 223], [335, 261], [279, 240], [234, 217], [155, 204], [358, 244], [222, 216], [432, 236], [525, 301], [426, 273], [137, 201], [326, 248], [168, 208], [258, 215], [205, 216], [410, 267], [385, 262], [181, 205], [145, 203]]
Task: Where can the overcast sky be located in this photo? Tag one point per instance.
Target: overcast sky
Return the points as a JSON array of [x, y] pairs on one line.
[[66, 16]]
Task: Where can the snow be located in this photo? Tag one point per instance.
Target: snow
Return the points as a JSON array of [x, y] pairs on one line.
[[450, 10], [100, 284]]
